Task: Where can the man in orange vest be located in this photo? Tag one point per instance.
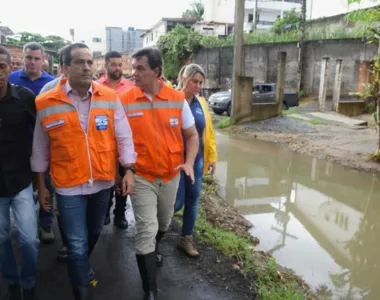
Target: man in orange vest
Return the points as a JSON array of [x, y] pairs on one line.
[[114, 79], [158, 116], [80, 124]]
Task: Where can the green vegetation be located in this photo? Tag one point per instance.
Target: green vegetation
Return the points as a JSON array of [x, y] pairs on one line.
[[196, 10], [261, 270], [179, 44], [50, 42], [372, 90], [224, 123]]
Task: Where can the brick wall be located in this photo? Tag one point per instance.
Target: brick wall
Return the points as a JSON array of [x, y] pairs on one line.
[[127, 67]]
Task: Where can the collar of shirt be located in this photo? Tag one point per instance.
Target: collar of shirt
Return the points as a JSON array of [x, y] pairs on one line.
[[164, 93], [69, 91], [12, 93], [122, 86], [43, 76]]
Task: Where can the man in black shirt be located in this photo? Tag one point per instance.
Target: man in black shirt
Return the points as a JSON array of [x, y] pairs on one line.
[[17, 119]]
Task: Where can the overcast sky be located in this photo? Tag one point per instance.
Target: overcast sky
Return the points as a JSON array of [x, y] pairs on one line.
[[84, 16], [89, 20]]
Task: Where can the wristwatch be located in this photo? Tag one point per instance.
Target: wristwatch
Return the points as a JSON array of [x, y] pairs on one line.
[[130, 168]]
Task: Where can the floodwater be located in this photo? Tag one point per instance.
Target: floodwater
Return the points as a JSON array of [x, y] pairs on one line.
[[315, 217]]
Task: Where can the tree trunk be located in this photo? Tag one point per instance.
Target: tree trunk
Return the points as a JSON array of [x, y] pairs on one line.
[[378, 128]]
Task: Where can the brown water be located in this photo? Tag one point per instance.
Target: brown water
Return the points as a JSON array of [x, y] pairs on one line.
[[317, 218]]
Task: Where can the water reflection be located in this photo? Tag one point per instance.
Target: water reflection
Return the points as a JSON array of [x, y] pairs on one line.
[[315, 217]]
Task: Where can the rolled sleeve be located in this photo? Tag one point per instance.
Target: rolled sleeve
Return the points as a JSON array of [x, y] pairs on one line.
[[123, 136], [187, 116], [40, 151]]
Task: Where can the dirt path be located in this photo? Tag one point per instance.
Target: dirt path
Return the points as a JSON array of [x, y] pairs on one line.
[[325, 140]]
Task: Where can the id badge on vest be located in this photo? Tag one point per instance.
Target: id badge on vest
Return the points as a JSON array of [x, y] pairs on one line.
[[101, 122]]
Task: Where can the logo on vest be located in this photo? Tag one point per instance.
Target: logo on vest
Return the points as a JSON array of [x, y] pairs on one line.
[[54, 124], [101, 122], [135, 114], [173, 121]]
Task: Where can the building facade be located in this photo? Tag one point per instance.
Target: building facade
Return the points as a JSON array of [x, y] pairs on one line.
[[268, 11], [151, 36], [124, 41]]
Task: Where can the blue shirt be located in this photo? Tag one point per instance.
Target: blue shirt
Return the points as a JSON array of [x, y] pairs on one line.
[[20, 78], [200, 122]]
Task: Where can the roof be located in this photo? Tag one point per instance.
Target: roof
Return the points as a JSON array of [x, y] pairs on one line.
[[213, 23], [6, 30], [184, 20]]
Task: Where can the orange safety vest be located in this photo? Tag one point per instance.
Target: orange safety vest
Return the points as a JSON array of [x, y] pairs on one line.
[[157, 134], [77, 157]]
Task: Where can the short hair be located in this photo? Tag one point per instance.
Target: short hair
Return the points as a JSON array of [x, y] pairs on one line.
[[154, 57], [66, 59], [60, 55], [34, 46], [4, 51], [112, 54]]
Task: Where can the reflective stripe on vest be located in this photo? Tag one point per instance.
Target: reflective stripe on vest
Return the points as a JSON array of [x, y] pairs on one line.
[[62, 108], [156, 104]]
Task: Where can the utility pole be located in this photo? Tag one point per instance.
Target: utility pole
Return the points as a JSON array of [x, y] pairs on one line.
[[238, 57], [256, 14], [301, 45]]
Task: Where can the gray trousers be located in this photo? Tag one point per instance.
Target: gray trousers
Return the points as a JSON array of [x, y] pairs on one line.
[[153, 206]]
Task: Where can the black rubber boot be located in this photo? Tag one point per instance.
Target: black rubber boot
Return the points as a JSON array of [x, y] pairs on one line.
[[29, 294], [14, 292], [82, 293], [159, 257], [147, 268]]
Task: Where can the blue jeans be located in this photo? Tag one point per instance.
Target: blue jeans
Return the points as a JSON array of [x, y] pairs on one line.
[[24, 211], [82, 219], [46, 218], [188, 194]]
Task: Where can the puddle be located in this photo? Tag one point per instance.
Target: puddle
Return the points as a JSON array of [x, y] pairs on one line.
[[317, 218]]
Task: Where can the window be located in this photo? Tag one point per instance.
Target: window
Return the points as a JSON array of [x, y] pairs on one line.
[[96, 53], [250, 18], [266, 89], [96, 40]]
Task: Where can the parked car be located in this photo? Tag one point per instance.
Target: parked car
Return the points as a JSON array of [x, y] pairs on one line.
[[262, 93]]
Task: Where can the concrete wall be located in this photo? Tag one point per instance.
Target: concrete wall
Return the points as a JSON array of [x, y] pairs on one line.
[[260, 62]]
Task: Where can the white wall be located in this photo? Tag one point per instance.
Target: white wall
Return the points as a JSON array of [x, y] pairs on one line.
[[87, 38], [317, 8], [151, 38], [219, 11], [218, 29]]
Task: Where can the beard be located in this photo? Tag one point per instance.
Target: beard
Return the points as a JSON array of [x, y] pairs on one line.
[[115, 76]]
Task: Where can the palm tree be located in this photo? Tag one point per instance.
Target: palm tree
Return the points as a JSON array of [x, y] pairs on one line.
[[197, 11]]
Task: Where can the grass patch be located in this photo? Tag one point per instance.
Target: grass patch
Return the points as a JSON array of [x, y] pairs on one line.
[[316, 122], [224, 123], [266, 280], [291, 111], [260, 269]]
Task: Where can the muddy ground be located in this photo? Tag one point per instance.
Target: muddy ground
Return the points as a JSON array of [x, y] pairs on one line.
[[225, 217], [324, 140]]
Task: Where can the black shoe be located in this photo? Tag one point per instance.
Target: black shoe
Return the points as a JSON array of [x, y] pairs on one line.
[[14, 292], [120, 222], [29, 294], [107, 220], [62, 254], [159, 256], [147, 268], [82, 293]]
